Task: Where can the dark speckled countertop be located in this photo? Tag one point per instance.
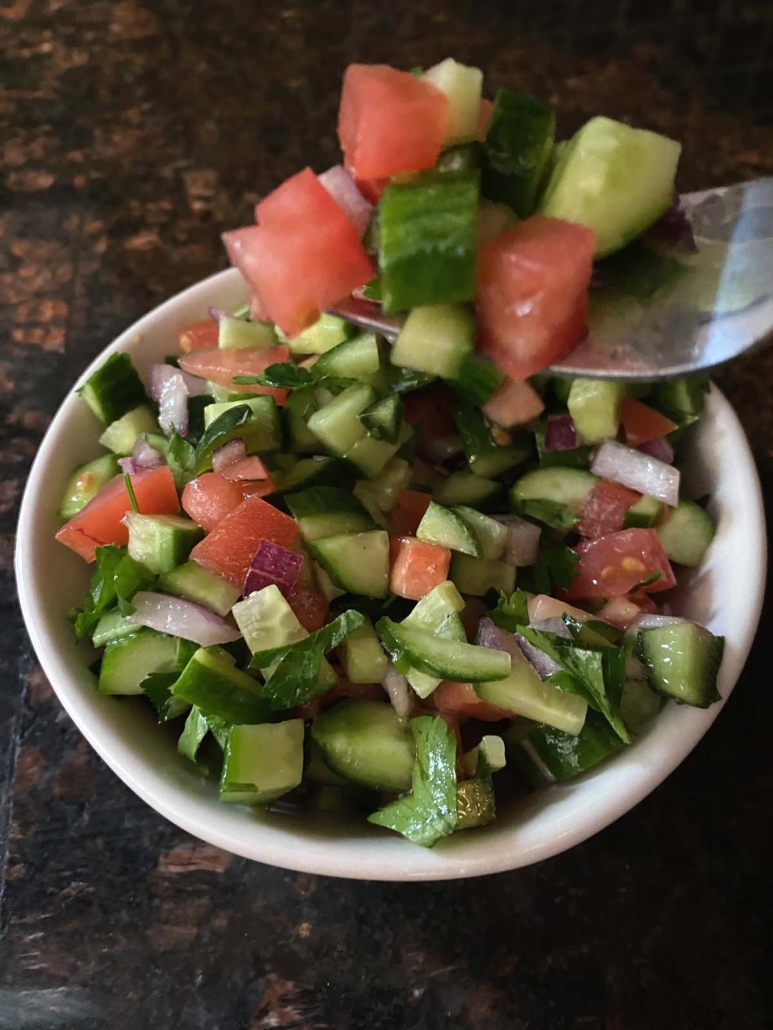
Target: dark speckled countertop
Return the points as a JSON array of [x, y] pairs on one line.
[[132, 133]]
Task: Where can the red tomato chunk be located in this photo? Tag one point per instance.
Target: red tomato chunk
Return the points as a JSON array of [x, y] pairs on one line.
[[220, 366], [605, 509], [617, 563], [642, 423], [417, 566]]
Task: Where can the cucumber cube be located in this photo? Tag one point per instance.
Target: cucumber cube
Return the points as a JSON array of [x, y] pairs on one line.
[[435, 339], [337, 424], [327, 332], [236, 334], [217, 687], [476, 576], [85, 483], [363, 657], [686, 532], [462, 86], [160, 542], [262, 762], [594, 405], [127, 661], [121, 435], [518, 145], [356, 562], [198, 584], [113, 389]]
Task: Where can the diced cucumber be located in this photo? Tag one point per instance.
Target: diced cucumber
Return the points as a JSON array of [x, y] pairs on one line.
[[518, 144], [258, 406], [435, 339], [160, 542], [353, 359], [113, 389], [492, 748], [570, 487], [219, 394], [236, 334], [438, 611], [524, 693], [128, 661], [546, 754], [686, 532], [85, 483], [458, 661], [383, 419], [478, 378], [447, 528], [371, 456], [365, 743], [462, 86], [217, 687], [490, 534], [475, 803], [337, 424], [467, 488], [298, 409], [493, 219], [366, 495], [484, 455], [320, 470], [614, 179], [594, 404], [638, 704], [322, 511], [383, 490], [327, 332], [362, 656], [120, 436], [262, 763], [427, 244], [112, 626], [198, 584], [317, 769], [644, 514], [325, 584], [356, 562], [476, 576], [682, 399], [254, 420], [682, 662]]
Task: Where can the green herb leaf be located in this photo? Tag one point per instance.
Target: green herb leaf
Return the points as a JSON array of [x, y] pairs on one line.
[[181, 459], [511, 612], [429, 812], [158, 687], [127, 479], [195, 730], [555, 567], [372, 291], [383, 419], [116, 581], [294, 680], [550, 513], [405, 380], [284, 375], [653, 578], [224, 428]]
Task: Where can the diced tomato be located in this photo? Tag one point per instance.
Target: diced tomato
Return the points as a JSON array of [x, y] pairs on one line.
[[641, 423], [543, 606], [101, 521], [229, 547], [405, 517], [208, 498], [372, 189], [344, 688], [485, 112], [605, 509], [532, 293], [311, 608], [461, 699], [417, 566], [617, 563], [389, 121], [619, 611], [513, 403], [198, 335], [246, 469], [220, 366]]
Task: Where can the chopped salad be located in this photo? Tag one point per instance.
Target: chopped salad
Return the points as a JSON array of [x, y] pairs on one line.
[[369, 577]]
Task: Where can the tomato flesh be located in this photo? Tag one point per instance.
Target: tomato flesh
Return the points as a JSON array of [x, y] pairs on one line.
[[461, 699], [311, 609], [410, 509], [532, 293], [641, 423], [198, 335], [220, 366], [416, 566], [208, 498], [605, 509], [513, 403], [617, 563]]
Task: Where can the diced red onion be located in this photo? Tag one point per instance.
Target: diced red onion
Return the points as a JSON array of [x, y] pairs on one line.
[[342, 188], [273, 564], [636, 470], [543, 663], [660, 448], [399, 693], [195, 385], [168, 389], [561, 434], [142, 457], [216, 314], [229, 453], [555, 625], [246, 469], [522, 544], [181, 618]]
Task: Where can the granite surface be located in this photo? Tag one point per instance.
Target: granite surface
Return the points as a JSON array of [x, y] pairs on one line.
[[131, 133]]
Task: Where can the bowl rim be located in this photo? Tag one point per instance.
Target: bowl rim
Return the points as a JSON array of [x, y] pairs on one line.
[[375, 858]]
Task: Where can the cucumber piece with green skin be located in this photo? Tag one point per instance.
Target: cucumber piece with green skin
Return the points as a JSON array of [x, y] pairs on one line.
[[476, 381], [120, 436], [358, 359], [320, 470], [682, 662], [298, 409], [236, 334], [458, 661], [112, 626], [383, 490], [261, 763], [484, 455], [476, 576], [567, 486], [525, 694], [516, 150], [492, 748], [447, 528], [336, 425], [161, 542], [490, 534], [254, 420], [317, 769], [198, 584], [435, 339], [614, 179], [594, 405], [356, 562], [467, 488], [427, 240], [327, 332], [371, 456], [462, 86], [683, 398], [113, 389], [126, 662], [438, 611], [547, 754], [325, 584], [638, 704], [367, 497], [644, 514], [383, 420], [85, 483], [685, 533], [217, 687], [322, 511], [365, 743], [362, 656]]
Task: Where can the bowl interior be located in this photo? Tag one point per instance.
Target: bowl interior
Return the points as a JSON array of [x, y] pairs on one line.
[[725, 595]]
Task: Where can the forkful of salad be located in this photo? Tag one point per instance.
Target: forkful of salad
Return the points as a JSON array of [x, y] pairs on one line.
[[470, 234]]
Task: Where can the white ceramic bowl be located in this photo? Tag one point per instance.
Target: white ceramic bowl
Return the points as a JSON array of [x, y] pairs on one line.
[[725, 595]]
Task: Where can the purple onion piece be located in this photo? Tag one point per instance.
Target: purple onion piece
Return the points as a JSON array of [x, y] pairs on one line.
[[555, 624], [497, 639], [216, 314], [522, 544], [660, 448], [343, 189], [273, 564], [181, 618], [543, 663], [561, 434], [168, 389], [636, 470], [229, 453], [400, 695]]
